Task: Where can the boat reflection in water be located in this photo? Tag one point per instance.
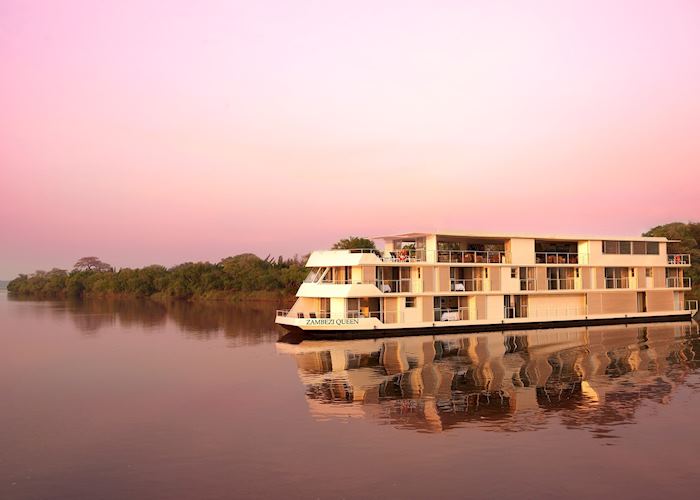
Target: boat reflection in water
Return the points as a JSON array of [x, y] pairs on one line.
[[592, 378]]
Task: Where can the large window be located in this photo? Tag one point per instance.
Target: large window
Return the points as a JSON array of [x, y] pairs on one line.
[[560, 278], [617, 277], [631, 247]]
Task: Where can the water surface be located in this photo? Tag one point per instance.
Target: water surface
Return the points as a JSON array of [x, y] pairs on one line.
[[135, 399]]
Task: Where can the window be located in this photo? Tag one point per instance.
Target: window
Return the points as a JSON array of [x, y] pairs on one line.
[[486, 272], [611, 247], [616, 277], [560, 278], [631, 247], [419, 269], [639, 247], [649, 272], [632, 271], [410, 302], [513, 272]]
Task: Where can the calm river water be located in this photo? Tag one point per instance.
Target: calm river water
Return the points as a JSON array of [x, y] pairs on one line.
[[113, 400]]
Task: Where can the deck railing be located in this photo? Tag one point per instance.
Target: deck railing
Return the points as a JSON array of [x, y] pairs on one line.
[[467, 285], [679, 259], [472, 256], [394, 286], [451, 314], [556, 258], [617, 283], [561, 284], [510, 312], [678, 282], [528, 284], [691, 305]]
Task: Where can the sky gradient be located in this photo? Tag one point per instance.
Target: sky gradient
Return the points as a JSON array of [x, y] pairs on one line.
[[161, 132]]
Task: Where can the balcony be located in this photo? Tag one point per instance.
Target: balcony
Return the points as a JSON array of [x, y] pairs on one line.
[[451, 314], [472, 256], [383, 316], [617, 283], [556, 258], [510, 312], [394, 286], [678, 259], [678, 282], [467, 285], [561, 284], [528, 284], [286, 313]]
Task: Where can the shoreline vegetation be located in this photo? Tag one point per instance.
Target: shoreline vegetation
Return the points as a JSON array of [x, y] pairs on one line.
[[241, 277]]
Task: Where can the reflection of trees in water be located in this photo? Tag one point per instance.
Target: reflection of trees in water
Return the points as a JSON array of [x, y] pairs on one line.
[[591, 378], [248, 323]]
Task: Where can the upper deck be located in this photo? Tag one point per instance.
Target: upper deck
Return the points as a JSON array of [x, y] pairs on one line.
[[498, 249]]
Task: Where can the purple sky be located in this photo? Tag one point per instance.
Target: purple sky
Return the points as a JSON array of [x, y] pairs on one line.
[[160, 132]]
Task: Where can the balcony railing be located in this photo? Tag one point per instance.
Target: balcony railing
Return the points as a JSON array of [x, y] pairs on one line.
[[471, 256], [528, 284], [556, 258], [617, 283], [468, 285], [691, 305], [451, 314], [286, 313], [678, 282], [400, 255], [383, 316], [394, 286], [561, 284], [510, 312], [679, 259]]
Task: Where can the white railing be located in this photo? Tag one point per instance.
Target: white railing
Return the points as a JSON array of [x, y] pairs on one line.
[[561, 283], [467, 285], [617, 283], [472, 256], [336, 281], [394, 286], [528, 284], [678, 282], [681, 259], [691, 305], [509, 312], [556, 258], [405, 255], [451, 314]]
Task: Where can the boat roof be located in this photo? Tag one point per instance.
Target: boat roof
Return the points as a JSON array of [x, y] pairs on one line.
[[501, 236]]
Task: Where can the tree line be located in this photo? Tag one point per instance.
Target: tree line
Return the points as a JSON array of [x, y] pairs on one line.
[[246, 273], [242, 275]]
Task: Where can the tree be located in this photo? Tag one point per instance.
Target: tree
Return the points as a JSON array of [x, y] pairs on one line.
[[354, 242], [91, 264], [689, 239]]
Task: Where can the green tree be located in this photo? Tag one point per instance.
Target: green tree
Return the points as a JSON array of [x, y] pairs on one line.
[[354, 242], [688, 235], [91, 264]]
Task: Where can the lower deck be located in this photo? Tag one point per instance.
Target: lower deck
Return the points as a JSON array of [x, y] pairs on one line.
[[346, 329], [482, 311]]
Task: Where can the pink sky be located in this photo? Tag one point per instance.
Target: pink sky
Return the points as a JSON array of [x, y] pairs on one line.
[[167, 131]]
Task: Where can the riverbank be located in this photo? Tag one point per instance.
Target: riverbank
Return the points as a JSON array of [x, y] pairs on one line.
[[242, 277]]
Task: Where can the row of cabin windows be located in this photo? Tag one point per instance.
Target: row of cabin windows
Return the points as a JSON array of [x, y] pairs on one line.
[[631, 247]]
